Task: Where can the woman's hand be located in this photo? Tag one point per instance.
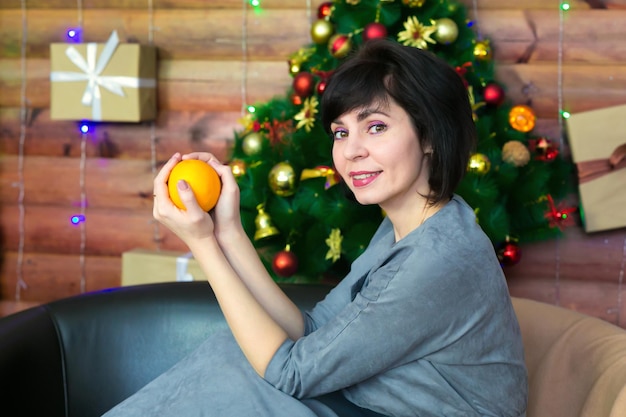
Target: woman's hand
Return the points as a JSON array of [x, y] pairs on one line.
[[194, 223], [190, 224]]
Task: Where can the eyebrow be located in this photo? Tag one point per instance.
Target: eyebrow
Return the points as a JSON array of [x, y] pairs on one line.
[[364, 114]]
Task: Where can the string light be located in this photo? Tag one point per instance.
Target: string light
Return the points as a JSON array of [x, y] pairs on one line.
[[20, 282], [74, 35], [77, 219]]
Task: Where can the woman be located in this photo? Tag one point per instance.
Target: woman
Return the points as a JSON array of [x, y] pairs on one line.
[[421, 326]]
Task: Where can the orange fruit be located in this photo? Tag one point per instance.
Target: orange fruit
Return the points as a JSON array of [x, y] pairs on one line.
[[201, 177]]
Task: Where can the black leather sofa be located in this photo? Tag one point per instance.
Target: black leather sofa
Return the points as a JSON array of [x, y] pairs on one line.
[[79, 356]]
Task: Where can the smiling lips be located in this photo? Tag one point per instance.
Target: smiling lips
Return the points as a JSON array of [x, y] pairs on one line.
[[361, 179]]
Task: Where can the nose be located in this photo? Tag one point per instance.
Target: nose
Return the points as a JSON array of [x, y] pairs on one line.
[[353, 147]]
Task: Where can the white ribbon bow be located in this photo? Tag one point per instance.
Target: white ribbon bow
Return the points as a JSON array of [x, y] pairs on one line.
[[92, 69]]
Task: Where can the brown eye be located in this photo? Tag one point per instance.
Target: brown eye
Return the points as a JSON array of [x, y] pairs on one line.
[[377, 128]]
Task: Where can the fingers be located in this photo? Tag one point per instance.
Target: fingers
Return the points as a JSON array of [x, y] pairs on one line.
[[188, 198], [225, 172], [202, 156], [160, 181]]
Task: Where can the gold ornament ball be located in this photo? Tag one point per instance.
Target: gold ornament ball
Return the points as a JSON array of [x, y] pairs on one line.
[[252, 143], [522, 118], [479, 164], [482, 50], [238, 168], [294, 67], [516, 153], [321, 31], [282, 179], [447, 30]]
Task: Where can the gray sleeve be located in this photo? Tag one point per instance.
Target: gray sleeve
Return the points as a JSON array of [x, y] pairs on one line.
[[397, 317]]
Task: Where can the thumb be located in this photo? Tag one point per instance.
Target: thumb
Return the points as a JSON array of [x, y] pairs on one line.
[[186, 194]]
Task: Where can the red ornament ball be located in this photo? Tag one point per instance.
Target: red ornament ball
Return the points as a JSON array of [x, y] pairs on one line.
[[509, 254], [324, 10], [493, 94], [339, 46], [374, 30], [321, 86], [303, 83], [285, 263]]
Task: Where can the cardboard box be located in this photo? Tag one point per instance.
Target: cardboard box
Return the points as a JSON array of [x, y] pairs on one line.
[[596, 137], [141, 266], [102, 82]]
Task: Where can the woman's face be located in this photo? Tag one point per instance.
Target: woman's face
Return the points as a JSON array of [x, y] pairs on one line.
[[377, 153]]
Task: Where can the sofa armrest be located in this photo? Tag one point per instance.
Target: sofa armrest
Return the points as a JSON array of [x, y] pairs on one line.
[[576, 363], [31, 365]]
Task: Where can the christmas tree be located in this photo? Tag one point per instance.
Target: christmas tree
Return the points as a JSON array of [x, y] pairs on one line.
[[305, 224]]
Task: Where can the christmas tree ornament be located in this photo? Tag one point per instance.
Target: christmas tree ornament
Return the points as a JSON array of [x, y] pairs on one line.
[[332, 177], [374, 30], [413, 3], [325, 10], [298, 58], [282, 179], [339, 45], [522, 118], [516, 153], [285, 263], [482, 50], [238, 168], [509, 254], [416, 34], [296, 99], [558, 217], [493, 94], [447, 30], [479, 164], [303, 84], [201, 178], [252, 143], [543, 149], [263, 224], [321, 86], [334, 245], [306, 116], [321, 31]]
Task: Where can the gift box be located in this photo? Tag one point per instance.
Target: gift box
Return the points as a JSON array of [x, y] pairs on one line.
[[103, 82], [141, 266], [597, 141]]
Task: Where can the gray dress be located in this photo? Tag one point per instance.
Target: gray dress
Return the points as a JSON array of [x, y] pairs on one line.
[[419, 327]]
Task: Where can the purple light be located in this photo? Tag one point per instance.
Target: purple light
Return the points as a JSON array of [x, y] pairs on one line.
[[84, 128], [470, 23], [77, 219], [74, 35]]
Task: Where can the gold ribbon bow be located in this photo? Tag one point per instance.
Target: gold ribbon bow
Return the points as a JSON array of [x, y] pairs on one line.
[[321, 171]]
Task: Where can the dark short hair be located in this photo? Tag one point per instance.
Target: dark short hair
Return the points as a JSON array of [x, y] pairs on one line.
[[431, 92]]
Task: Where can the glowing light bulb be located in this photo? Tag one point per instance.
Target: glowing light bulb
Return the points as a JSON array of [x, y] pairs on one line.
[[251, 109], [565, 6], [84, 128], [77, 219], [74, 35]]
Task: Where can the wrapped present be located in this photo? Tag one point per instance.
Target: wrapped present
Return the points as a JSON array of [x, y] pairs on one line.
[[141, 266], [597, 140], [103, 82]]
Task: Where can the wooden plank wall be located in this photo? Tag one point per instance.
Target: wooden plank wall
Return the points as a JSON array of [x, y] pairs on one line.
[[203, 78]]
